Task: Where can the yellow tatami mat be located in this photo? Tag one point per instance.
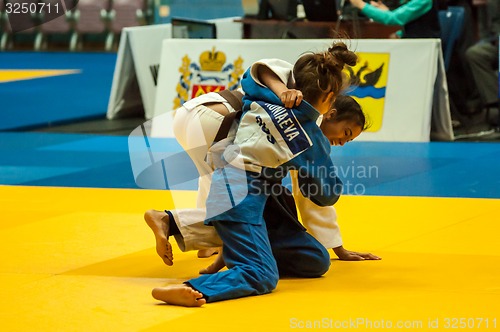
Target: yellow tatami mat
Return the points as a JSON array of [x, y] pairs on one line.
[[84, 260]]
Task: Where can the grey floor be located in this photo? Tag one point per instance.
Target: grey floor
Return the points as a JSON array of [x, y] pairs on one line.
[[102, 126], [481, 127]]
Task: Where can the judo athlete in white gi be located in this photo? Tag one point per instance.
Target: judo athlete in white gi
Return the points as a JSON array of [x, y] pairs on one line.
[[270, 141]]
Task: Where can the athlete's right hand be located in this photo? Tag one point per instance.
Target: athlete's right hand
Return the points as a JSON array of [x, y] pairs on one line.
[[291, 98]]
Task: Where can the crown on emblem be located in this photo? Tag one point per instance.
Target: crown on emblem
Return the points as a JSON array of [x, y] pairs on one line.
[[212, 60]]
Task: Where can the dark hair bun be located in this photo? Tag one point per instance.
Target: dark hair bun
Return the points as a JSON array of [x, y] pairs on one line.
[[341, 55]]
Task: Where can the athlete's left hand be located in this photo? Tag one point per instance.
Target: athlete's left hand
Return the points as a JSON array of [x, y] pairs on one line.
[[348, 255]]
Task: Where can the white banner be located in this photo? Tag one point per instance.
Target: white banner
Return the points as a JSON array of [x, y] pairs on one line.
[[137, 64], [396, 90], [227, 28]]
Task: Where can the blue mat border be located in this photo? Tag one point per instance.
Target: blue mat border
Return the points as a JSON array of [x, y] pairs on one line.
[[404, 169]]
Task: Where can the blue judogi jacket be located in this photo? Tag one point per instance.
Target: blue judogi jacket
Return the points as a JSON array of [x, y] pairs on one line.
[[270, 141]]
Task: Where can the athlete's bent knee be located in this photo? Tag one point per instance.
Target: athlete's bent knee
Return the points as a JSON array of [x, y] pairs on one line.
[[266, 281]]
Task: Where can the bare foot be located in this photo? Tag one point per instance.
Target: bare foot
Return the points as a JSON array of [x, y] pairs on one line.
[[182, 295], [204, 253], [215, 266], [158, 221]]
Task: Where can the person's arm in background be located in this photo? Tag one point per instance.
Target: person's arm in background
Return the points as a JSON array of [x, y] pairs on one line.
[[402, 15]]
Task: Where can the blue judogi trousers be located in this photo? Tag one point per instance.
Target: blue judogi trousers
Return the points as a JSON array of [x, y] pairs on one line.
[[257, 255]]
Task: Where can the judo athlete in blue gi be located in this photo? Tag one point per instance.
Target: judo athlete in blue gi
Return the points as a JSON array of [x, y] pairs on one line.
[[188, 228], [271, 140]]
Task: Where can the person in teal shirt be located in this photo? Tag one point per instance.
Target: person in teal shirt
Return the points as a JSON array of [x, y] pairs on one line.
[[419, 18]]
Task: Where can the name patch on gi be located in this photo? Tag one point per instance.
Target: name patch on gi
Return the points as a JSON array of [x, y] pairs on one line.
[[287, 125]]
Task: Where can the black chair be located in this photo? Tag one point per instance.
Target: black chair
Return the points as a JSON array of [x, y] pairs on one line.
[[451, 21]]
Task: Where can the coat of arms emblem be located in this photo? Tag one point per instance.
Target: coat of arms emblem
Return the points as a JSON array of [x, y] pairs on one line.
[[211, 74]]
